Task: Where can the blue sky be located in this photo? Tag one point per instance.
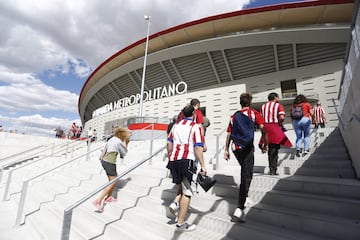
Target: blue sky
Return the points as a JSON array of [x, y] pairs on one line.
[[49, 48]]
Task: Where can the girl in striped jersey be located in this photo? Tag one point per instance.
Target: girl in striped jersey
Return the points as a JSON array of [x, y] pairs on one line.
[[273, 113]]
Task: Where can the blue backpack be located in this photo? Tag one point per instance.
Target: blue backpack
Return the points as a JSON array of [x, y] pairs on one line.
[[242, 133]]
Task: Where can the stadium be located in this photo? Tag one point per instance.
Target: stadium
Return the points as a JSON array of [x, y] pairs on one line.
[[49, 185], [215, 59]]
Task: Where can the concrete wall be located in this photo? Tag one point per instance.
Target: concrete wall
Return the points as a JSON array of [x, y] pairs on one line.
[[350, 98]]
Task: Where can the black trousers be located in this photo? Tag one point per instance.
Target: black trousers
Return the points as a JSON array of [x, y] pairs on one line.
[[245, 157], [273, 156]]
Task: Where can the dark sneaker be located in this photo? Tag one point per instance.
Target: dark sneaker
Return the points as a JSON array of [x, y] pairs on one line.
[[185, 227]]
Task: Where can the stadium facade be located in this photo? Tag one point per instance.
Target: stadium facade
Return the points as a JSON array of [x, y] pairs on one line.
[[293, 48]]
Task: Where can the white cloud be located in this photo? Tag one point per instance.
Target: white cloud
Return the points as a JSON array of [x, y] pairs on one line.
[[63, 36], [27, 94]]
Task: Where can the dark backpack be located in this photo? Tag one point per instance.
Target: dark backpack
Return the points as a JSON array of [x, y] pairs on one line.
[[297, 112], [242, 133]]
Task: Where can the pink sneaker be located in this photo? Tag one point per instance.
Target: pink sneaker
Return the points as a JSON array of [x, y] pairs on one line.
[[98, 206], [110, 199]]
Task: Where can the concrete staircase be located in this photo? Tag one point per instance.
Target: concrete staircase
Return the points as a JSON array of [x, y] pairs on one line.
[[314, 197]]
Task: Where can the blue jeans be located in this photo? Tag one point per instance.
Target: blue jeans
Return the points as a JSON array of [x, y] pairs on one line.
[[302, 129]]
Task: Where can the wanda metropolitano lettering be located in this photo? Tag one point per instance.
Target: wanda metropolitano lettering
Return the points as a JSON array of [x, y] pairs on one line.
[[154, 94]]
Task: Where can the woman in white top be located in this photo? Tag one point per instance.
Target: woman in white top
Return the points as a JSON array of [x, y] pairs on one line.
[[116, 145]]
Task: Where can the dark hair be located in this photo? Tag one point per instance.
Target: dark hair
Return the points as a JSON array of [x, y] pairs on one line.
[[272, 96], [188, 110], [245, 99], [194, 102], [300, 99]]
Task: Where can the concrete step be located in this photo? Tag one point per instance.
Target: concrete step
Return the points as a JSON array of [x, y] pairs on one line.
[[318, 204], [305, 221], [127, 231], [85, 220], [339, 163], [8, 230], [214, 223], [326, 172], [335, 187]]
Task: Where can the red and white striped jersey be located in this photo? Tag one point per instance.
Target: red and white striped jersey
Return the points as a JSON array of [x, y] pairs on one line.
[[271, 111], [319, 113], [185, 136]]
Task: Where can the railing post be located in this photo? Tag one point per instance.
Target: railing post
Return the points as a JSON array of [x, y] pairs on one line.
[[2, 169], [151, 141], [21, 204], [7, 186], [88, 151], [217, 152], [67, 148], [72, 150], [65, 232]]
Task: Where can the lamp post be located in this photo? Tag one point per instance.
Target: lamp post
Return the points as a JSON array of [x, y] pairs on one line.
[[147, 18]]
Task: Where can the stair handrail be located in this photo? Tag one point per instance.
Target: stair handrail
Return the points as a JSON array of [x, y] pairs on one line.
[[21, 153], [353, 116], [33, 155], [218, 149], [48, 147], [152, 125], [24, 187], [65, 232], [7, 185]]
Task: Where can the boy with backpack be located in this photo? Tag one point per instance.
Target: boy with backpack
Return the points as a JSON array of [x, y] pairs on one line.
[[241, 133]]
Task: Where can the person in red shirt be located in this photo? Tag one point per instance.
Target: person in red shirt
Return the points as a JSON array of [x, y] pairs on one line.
[[244, 154], [273, 113], [199, 118], [319, 113], [302, 126]]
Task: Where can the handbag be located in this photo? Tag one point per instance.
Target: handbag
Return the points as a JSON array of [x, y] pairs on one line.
[[205, 181]]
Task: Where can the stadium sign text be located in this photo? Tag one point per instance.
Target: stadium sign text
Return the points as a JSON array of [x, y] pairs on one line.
[[157, 93]]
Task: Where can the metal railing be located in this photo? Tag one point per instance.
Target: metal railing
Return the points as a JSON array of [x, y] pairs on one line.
[[152, 138], [148, 120], [65, 232], [32, 156], [21, 153], [218, 149], [24, 188], [10, 173]]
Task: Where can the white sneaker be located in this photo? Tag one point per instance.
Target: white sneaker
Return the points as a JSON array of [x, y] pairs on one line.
[[239, 215], [185, 227], [174, 207]]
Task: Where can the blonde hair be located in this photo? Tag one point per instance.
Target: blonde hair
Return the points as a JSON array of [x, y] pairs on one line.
[[122, 133]]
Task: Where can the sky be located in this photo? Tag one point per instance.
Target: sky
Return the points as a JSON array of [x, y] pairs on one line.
[[49, 48]]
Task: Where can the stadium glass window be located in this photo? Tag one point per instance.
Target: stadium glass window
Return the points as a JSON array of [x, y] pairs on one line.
[[288, 88]]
